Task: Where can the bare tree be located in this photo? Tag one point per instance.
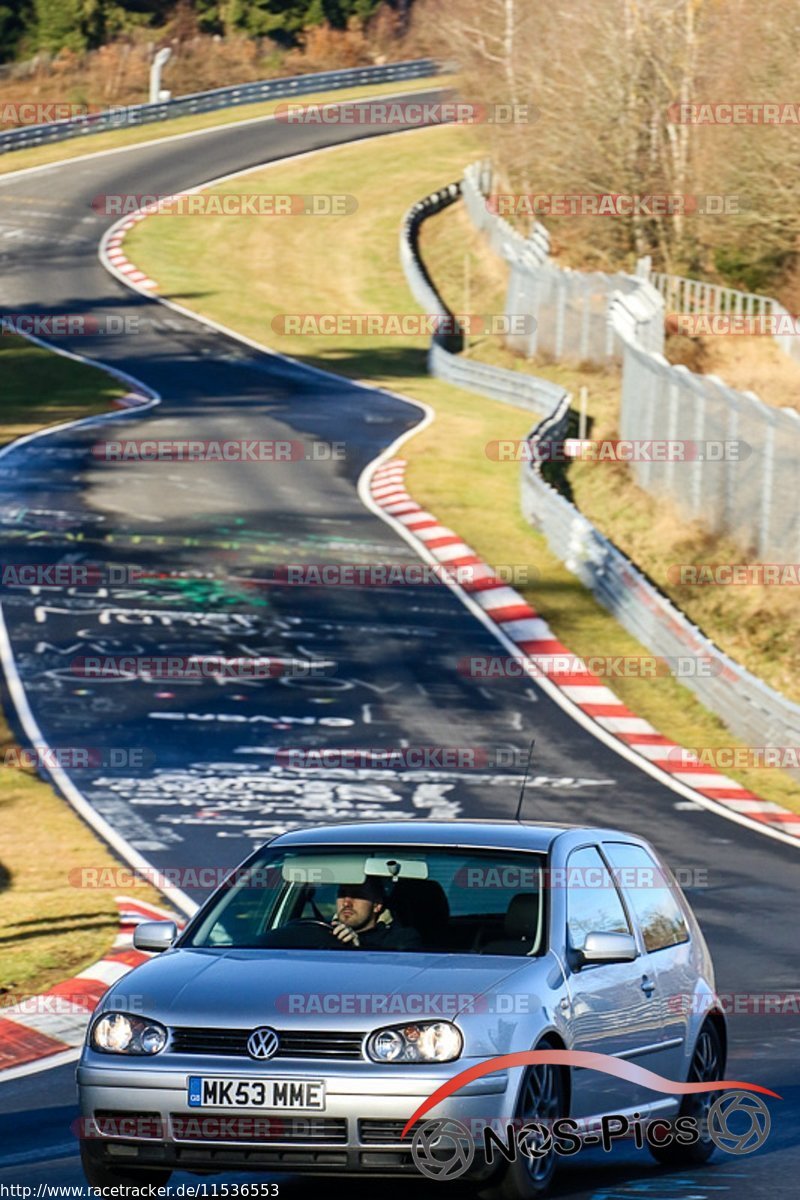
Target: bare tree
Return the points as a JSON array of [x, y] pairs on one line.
[[607, 81]]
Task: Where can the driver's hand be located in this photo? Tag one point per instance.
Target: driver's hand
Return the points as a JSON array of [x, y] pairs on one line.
[[345, 933]]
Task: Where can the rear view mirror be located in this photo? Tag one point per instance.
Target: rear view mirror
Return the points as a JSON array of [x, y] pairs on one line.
[[397, 868], [608, 948], [154, 936]]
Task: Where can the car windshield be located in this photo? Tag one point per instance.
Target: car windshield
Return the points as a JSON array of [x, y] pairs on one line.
[[406, 898]]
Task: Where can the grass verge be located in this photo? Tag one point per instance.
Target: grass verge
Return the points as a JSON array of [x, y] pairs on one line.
[[37, 156], [41, 388], [49, 928], [267, 276]]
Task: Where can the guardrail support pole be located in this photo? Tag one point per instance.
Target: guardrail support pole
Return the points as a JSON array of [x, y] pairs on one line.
[[159, 62]]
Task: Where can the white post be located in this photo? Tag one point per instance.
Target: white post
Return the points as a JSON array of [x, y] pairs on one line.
[[766, 487], [584, 396], [160, 60]]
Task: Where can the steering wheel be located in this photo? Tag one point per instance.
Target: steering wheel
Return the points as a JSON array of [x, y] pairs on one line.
[[285, 938], [308, 921]]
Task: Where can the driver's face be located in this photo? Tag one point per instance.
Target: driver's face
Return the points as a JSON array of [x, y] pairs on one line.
[[357, 913]]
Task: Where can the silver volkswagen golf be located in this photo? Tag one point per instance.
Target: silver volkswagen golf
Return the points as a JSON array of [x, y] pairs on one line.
[[343, 973]]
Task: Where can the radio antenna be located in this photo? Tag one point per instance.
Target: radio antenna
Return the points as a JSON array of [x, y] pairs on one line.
[[525, 779]]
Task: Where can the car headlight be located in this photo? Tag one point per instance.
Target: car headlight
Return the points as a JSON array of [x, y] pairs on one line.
[[428, 1041], [120, 1033]]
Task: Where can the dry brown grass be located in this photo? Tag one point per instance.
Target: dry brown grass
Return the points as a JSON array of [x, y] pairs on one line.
[[757, 626], [750, 364], [51, 924]]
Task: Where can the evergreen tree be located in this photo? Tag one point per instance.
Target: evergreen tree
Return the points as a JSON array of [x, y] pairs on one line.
[[14, 21], [57, 24], [31, 25]]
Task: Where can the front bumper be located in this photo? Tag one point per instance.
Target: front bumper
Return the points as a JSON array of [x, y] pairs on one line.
[[138, 1115]]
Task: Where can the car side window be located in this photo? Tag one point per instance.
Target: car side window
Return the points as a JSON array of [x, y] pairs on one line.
[[593, 902], [653, 902]]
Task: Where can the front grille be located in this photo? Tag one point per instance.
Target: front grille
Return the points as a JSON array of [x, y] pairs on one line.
[[210, 1041], [311, 1044], [231, 1158], [374, 1131], [292, 1043], [260, 1130]]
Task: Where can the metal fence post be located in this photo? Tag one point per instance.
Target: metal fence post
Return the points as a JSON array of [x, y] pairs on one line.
[[731, 464], [767, 480]]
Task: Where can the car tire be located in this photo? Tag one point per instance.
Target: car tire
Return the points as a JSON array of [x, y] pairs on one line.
[[708, 1063], [542, 1097], [101, 1176]]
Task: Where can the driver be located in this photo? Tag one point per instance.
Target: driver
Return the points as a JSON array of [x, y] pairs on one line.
[[358, 907]]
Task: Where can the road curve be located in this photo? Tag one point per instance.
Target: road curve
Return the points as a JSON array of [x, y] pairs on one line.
[[207, 785]]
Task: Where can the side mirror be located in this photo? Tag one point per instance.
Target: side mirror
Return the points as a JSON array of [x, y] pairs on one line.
[[608, 948], [155, 936]]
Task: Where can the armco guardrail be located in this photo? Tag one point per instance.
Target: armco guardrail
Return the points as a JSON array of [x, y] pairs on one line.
[[200, 102], [445, 359], [754, 712]]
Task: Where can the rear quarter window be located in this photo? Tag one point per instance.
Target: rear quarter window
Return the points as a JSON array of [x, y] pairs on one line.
[[650, 893]]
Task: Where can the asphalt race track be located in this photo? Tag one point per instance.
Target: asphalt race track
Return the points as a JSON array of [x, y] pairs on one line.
[[201, 783]]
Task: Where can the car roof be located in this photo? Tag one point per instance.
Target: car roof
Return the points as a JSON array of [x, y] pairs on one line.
[[508, 835]]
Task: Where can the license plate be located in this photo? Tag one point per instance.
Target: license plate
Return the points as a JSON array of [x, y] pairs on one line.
[[216, 1092]]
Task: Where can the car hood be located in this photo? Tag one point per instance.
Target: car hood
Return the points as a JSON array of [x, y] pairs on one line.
[[301, 989]]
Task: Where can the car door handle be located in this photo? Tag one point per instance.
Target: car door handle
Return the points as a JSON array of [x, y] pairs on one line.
[[648, 987]]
